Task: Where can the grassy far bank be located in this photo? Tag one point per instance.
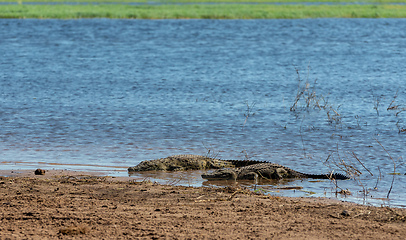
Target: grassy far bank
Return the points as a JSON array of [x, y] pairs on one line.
[[206, 1], [217, 11]]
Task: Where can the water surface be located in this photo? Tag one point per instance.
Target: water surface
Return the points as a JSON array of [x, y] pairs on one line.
[[103, 95]]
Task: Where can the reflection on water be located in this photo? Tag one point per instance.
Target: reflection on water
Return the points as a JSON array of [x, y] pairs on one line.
[[90, 94], [193, 178], [283, 187]]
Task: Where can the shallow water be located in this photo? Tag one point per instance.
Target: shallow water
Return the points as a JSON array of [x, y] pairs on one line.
[[103, 95]]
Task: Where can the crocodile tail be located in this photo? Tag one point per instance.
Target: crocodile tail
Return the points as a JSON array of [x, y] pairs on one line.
[[243, 163], [337, 176]]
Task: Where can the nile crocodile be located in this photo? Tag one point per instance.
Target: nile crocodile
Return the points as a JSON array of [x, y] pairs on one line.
[[188, 162], [266, 170]]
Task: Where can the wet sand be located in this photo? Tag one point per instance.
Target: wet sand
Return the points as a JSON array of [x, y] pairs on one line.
[[71, 205]]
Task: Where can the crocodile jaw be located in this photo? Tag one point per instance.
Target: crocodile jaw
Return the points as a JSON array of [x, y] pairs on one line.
[[221, 174]]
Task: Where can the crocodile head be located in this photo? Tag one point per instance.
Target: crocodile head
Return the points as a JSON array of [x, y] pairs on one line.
[[221, 174]]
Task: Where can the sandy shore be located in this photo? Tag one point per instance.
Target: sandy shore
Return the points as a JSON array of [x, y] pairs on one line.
[[71, 205]]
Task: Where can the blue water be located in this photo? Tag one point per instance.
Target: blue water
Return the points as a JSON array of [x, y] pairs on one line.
[[103, 95]]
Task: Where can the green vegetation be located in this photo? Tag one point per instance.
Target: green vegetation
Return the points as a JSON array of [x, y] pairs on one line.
[[201, 11], [207, 1]]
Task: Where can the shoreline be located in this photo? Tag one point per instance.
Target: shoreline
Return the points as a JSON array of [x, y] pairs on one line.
[[83, 204], [57, 173], [191, 178]]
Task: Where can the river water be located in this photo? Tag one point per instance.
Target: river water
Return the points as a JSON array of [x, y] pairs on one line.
[[103, 95]]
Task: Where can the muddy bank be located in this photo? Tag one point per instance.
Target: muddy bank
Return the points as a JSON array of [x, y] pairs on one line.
[[63, 204]]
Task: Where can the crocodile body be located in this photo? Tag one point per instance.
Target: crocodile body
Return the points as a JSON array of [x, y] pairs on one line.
[[188, 162], [267, 171]]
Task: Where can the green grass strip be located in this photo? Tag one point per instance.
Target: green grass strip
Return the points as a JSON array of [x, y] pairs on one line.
[[206, 1], [217, 11]]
